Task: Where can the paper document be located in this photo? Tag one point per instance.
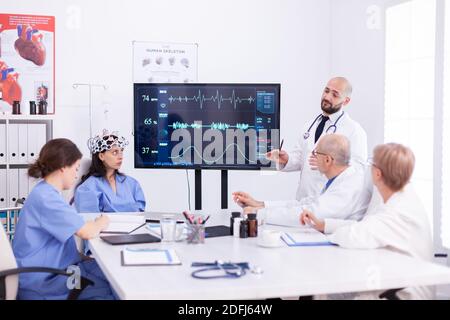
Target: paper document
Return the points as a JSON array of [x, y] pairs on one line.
[[154, 228], [143, 257], [308, 237], [124, 223]]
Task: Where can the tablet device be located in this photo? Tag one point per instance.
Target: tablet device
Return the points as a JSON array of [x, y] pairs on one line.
[[156, 216], [217, 231], [130, 239]]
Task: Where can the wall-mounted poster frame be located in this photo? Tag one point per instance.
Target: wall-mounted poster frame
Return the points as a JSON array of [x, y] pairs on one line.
[[27, 60], [164, 62]]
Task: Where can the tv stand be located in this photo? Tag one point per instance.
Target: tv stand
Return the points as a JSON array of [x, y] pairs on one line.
[[223, 189]]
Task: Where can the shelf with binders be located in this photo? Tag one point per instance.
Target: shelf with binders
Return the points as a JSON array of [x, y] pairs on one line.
[[21, 139], [8, 220], [27, 117], [15, 166]]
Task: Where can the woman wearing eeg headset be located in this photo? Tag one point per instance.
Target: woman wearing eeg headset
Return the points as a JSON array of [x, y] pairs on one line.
[[104, 188]]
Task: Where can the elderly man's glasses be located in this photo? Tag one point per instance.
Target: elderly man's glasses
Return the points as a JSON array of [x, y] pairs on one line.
[[315, 153]]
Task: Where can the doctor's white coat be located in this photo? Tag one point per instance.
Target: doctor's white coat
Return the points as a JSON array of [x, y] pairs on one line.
[[347, 197], [311, 181]]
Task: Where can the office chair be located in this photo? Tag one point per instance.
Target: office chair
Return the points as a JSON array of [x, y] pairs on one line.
[[390, 294], [9, 279], [85, 163]]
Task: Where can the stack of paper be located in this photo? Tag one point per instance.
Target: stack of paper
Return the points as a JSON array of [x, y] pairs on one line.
[[308, 237], [145, 257]]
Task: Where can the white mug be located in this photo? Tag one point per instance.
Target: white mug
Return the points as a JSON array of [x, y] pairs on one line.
[[269, 238]]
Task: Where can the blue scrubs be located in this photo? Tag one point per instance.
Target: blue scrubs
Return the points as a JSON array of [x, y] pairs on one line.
[[44, 237], [96, 195]]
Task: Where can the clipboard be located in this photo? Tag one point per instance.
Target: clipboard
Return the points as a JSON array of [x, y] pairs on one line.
[[305, 239], [149, 257]]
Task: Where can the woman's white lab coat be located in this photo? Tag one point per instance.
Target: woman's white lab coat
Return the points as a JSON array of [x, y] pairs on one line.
[[400, 224]]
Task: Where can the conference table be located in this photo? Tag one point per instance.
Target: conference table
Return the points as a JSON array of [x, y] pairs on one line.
[[281, 271]]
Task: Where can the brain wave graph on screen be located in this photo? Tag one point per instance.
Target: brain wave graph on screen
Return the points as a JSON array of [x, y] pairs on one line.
[[217, 158], [214, 125], [219, 98]]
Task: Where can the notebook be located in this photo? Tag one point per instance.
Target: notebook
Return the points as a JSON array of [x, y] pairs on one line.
[[308, 237], [149, 257], [124, 223]]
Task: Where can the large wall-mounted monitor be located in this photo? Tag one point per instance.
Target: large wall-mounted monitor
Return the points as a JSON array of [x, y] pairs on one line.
[[205, 126]]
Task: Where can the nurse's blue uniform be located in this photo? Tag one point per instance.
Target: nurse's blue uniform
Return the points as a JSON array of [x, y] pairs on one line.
[[44, 237], [96, 195]]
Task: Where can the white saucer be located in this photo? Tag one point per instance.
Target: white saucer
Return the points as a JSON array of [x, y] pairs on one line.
[[270, 245]]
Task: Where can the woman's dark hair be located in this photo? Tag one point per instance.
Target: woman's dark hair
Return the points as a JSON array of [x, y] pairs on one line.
[[97, 169], [54, 155]]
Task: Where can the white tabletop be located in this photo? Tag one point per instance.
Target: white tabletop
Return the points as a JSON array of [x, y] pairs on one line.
[[288, 271]]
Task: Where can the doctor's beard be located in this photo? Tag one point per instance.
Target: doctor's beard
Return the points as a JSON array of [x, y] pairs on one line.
[[329, 108]]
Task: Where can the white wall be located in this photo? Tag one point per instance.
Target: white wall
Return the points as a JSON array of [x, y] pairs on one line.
[[284, 41], [357, 52]]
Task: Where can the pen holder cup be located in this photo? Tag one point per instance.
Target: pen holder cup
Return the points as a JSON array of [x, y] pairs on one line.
[[196, 233]]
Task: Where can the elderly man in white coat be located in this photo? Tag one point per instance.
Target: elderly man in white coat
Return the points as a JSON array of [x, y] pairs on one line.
[[336, 95], [399, 222], [345, 194]]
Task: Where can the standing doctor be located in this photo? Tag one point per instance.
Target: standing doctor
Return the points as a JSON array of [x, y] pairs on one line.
[[332, 119]]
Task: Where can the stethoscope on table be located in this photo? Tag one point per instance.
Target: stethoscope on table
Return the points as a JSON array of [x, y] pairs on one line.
[[231, 270], [329, 129]]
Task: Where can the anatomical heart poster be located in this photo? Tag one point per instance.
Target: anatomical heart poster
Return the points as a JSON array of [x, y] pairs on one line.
[[164, 62], [27, 60]]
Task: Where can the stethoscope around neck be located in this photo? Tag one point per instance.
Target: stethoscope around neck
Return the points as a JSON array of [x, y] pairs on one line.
[[331, 129]]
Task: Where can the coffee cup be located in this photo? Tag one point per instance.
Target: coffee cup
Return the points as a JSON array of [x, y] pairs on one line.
[[269, 238]]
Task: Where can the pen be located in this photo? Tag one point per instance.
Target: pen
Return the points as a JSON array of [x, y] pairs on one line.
[[188, 218], [281, 144], [205, 220], [309, 222]]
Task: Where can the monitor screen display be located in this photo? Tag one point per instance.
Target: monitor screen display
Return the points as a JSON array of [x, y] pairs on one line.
[[205, 126]]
